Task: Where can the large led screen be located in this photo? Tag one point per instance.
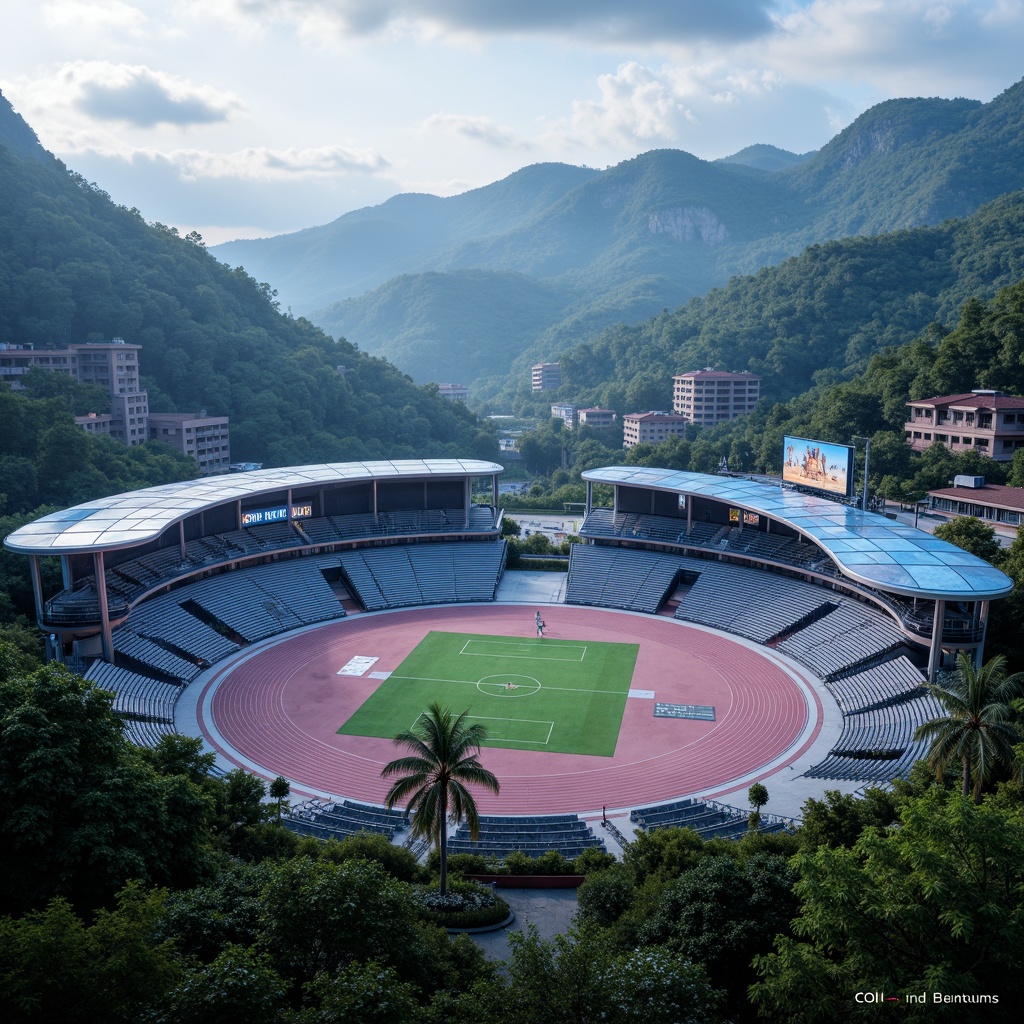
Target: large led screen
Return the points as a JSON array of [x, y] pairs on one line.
[[828, 467]]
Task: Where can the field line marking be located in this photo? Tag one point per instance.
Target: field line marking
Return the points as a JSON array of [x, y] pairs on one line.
[[473, 682]]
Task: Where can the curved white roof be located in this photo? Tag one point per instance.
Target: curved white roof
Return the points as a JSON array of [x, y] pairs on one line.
[[868, 548], [136, 517]]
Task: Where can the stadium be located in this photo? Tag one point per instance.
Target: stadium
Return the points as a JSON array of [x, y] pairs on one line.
[[711, 632]]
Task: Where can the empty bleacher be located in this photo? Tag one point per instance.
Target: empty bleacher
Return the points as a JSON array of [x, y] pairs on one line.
[[752, 603], [707, 820], [499, 836], [852, 634], [248, 610], [874, 687], [613, 577], [403, 575], [878, 744], [323, 820], [163, 619], [145, 704]]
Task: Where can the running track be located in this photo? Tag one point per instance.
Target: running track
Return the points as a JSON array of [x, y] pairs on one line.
[[280, 708]]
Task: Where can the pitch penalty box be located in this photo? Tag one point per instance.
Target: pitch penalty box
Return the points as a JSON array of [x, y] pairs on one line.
[[559, 696]]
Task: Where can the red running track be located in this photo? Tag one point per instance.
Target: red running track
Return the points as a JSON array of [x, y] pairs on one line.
[[281, 709]]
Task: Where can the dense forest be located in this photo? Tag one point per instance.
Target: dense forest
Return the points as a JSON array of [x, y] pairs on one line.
[[816, 318], [77, 267], [141, 887]]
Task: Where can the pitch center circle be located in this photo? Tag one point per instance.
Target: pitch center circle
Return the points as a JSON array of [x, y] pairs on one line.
[[507, 685]]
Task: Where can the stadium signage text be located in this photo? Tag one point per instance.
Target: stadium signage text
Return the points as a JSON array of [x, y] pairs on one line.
[[278, 514]]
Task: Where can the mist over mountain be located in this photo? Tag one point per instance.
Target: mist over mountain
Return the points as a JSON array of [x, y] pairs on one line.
[[619, 245]]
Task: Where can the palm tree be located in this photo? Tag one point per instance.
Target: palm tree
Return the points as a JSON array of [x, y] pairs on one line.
[[978, 732], [435, 775]]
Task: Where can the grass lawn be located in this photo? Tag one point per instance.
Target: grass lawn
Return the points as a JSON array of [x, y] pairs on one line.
[[560, 696]]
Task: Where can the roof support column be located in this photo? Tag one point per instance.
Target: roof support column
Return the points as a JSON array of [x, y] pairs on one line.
[[101, 592], [982, 608], [238, 514], [66, 577], [615, 501], [37, 583], [590, 498], [181, 538], [935, 651], [467, 501], [374, 502]]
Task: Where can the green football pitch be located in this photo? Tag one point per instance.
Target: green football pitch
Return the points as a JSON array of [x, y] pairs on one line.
[[559, 696]]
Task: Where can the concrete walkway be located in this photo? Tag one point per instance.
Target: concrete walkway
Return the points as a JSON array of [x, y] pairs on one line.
[[551, 910]]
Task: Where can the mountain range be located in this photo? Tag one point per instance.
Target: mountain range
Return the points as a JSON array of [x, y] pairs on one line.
[[454, 289]]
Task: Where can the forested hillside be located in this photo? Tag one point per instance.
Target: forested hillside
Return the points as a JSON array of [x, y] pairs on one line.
[[621, 244], [818, 317], [78, 267]]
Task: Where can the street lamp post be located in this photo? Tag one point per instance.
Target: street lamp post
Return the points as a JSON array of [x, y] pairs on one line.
[[867, 451]]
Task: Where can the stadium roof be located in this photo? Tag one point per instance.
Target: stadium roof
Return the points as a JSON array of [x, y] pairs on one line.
[[136, 517], [869, 548]]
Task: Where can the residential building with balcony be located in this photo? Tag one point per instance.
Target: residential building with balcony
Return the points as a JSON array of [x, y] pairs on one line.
[[651, 427], [990, 422], [565, 412], [205, 438], [710, 396], [546, 376], [111, 365], [596, 417], [453, 392]]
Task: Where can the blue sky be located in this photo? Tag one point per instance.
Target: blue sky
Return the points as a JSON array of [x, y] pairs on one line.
[[240, 118]]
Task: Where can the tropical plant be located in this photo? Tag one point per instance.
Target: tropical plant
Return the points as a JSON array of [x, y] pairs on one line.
[[434, 777], [978, 731]]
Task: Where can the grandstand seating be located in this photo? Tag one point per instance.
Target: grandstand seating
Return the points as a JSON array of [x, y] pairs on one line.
[[145, 704], [500, 836], [338, 820], [877, 686], [402, 575], [707, 820], [867, 735], [850, 635], [614, 577], [755, 604]]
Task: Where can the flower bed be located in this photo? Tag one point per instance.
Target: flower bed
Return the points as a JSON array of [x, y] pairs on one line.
[[464, 905]]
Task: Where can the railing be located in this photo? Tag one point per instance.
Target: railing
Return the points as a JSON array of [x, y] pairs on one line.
[[80, 604]]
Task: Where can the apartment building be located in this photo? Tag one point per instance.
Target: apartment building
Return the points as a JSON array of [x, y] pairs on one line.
[[990, 422], [111, 365], [651, 427], [596, 417], [205, 438], [546, 376], [453, 392], [565, 412], [711, 396]]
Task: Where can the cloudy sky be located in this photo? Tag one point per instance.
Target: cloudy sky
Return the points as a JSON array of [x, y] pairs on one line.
[[240, 118]]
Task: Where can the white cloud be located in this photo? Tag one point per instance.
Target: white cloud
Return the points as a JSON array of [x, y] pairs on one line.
[[594, 21], [477, 129], [93, 16], [637, 104], [261, 163], [129, 94], [253, 163], [903, 47]]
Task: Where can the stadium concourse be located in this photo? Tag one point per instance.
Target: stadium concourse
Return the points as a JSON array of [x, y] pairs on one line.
[[778, 637]]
